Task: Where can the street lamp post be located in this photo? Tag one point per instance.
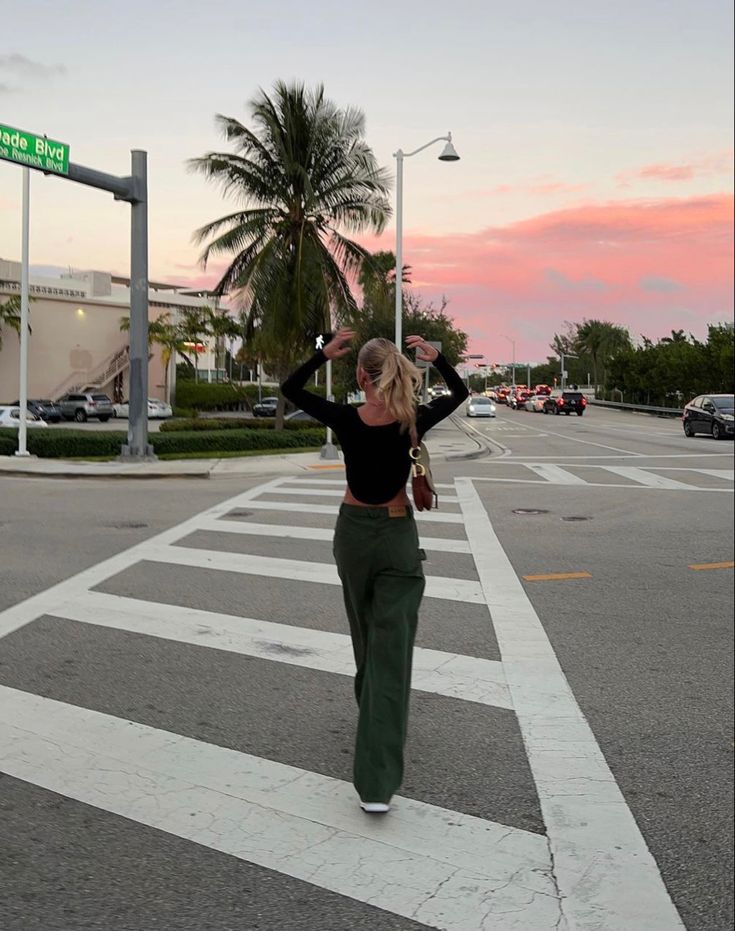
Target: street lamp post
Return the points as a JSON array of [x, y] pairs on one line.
[[513, 344], [448, 154]]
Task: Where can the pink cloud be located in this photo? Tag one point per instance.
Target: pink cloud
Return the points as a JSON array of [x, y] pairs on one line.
[[704, 166], [650, 265]]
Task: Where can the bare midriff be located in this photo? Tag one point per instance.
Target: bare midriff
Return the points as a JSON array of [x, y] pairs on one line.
[[400, 499]]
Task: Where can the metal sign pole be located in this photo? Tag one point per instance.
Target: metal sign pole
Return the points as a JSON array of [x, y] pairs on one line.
[[25, 250], [137, 445]]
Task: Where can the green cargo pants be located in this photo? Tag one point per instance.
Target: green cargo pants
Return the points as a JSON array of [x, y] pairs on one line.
[[379, 562]]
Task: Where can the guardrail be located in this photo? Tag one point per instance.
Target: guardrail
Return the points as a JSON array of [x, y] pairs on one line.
[[639, 408]]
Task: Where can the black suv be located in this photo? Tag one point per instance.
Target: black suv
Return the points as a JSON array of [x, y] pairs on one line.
[[568, 402]]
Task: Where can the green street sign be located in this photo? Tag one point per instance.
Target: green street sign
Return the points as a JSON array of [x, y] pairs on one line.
[[33, 151]]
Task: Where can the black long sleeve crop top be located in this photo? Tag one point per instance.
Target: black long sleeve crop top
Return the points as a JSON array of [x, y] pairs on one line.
[[376, 457]]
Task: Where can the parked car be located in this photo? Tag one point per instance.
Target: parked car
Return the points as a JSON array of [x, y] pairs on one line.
[[44, 410], [10, 417], [157, 410], [712, 414], [480, 406], [265, 407], [566, 402], [81, 407]]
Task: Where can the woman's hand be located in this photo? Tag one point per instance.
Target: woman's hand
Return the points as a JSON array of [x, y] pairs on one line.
[[425, 352], [339, 344]]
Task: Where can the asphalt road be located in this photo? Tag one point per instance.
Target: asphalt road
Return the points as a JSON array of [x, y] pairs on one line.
[[644, 643]]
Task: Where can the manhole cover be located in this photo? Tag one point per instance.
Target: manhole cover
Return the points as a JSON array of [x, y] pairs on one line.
[[239, 512], [576, 518], [524, 511], [127, 525]]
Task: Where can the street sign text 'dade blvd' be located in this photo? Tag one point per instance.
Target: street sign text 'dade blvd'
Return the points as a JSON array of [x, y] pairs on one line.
[[33, 150]]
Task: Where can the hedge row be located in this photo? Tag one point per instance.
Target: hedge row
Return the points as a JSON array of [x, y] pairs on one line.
[[201, 396], [65, 444], [230, 423]]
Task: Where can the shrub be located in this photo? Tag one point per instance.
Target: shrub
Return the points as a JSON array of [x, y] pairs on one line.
[[66, 444], [8, 442], [232, 423], [201, 396]]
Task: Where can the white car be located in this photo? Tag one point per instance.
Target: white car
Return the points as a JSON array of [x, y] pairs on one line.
[[480, 407], [10, 417], [535, 403], [157, 410]]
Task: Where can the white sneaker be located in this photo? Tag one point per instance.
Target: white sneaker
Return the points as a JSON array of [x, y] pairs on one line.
[[375, 808]]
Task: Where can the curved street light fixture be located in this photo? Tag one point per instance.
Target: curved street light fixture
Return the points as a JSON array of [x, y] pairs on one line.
[[448, 154]]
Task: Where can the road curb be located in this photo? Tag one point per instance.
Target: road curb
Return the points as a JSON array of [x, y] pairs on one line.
[[482, 448]]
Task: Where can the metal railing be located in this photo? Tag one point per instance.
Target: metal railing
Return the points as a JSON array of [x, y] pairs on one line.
[[640, 408], [101, 374]]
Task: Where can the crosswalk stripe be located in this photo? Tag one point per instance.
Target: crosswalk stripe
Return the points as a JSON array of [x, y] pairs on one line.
[[450, 674], [334, 482], [296, 507], [435, 544], [438, 867], [332, 493], [650, 479], [555, 474], [445, 587]]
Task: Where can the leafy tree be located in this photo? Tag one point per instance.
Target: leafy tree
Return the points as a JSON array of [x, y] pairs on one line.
[[304, 177]]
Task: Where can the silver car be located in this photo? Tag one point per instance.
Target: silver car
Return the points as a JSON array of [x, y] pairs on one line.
[[82, 407]]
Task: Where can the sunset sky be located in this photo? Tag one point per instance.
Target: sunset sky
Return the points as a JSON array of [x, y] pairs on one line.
[[595, 138]]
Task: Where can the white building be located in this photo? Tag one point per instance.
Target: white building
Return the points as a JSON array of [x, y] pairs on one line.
[[76, 341]]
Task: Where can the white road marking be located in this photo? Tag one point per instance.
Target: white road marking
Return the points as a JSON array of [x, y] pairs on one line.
[[435, 544], [438, 867], [437, 517], [727, 474], [651, 479], [333, 482], [555, 474], [468, 678], [437, 586], [605, 873], [330, 493]]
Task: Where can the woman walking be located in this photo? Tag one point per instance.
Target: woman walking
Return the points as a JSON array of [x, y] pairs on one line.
[[376, 544]]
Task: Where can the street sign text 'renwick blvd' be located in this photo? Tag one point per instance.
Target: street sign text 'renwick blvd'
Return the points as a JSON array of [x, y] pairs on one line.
[[34, 151]]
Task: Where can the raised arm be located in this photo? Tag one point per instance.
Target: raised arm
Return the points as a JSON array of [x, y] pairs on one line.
[[327, 412], [429, 415]]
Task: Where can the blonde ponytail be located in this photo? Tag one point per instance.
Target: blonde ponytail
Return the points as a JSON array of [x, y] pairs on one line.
[[396, 380]]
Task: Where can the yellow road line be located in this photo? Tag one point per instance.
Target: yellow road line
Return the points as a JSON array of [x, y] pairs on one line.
[[555, 576], [698, 567], [326, 467]]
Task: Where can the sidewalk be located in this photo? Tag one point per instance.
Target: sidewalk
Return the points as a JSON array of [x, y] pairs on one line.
[[447, 442]]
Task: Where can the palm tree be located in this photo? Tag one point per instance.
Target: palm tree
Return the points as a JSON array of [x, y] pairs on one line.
[[304, 177], [222, 327], [194, 327], [601, 340], [10, 316], [166, 335]]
